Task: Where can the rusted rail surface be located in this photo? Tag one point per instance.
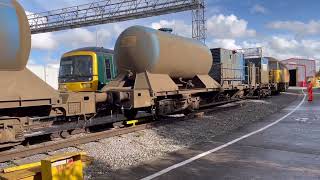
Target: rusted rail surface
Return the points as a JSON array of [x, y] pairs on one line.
[[51, 146]]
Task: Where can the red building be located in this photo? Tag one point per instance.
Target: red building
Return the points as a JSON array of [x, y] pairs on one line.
[[300, 70]]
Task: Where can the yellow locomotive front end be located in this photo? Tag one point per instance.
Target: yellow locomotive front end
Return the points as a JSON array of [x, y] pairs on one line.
[[275, 75], [78, 72], [278, 75]]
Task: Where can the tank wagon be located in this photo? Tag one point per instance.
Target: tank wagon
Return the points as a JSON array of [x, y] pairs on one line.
[[171, 76], [86, 69], [139, 49]]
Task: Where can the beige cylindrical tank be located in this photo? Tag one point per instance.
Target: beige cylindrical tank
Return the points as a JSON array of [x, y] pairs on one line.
[[140, 49], [15, 36]]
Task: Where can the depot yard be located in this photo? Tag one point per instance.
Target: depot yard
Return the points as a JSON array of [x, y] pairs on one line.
[[201, 112], [132, 149]]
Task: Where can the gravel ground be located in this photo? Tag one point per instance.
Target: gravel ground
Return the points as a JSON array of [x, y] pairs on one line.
[[131, 149]]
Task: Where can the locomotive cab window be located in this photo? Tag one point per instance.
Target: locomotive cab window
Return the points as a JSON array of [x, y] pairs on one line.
[[76, 68], [108, 68]]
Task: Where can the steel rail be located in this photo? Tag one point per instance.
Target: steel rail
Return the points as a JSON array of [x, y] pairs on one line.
[[51, 146]]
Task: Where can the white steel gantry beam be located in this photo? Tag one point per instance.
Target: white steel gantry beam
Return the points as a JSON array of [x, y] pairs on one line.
[[107, 11]]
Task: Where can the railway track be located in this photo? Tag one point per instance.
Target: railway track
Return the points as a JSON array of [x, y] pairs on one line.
[[45, 147]]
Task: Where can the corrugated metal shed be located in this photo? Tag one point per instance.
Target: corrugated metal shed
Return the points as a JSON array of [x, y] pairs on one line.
[[304, 68]]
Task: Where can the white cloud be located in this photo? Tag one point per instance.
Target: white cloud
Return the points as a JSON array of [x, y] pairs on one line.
[[248, 44], [101, 36], [218, 26], [283, 44], [107, 34], [76, 38], [297, 27], [258, 9], [227, 27], [179, 27], [274, 46], [284, 47], [45, 41], [223, 43], [227, 32]]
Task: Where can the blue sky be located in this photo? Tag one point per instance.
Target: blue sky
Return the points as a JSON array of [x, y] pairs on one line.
[[283, 28]]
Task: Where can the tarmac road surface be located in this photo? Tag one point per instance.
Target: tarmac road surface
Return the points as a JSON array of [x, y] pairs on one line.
[[286, 145]]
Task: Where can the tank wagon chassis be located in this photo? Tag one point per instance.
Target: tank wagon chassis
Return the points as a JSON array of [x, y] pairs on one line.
[[16, 130], [23, 118], [150, 93]]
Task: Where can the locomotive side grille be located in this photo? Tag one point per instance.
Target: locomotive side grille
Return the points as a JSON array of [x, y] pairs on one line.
[[74, 108], [19, 135]]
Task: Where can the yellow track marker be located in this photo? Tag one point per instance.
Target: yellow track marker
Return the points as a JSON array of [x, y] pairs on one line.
[[132, 122]]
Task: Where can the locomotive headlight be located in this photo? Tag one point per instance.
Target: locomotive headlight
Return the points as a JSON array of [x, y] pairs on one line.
[[62, 86], [86, 85]]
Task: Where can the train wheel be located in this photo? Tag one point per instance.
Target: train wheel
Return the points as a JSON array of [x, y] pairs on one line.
[[55, 135], [64, 134], [220, 97], [130, 114]]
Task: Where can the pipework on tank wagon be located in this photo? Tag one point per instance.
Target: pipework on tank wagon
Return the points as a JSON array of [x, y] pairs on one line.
[[188, 84]]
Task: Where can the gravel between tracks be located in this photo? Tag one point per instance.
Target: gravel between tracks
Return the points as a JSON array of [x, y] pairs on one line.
[[131, 149]]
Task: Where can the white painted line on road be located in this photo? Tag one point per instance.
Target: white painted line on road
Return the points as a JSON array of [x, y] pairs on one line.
[[291, 93], [302, 119], [157, 174]]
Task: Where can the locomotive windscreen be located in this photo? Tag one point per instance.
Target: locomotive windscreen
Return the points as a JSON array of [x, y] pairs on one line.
[[75, 69]]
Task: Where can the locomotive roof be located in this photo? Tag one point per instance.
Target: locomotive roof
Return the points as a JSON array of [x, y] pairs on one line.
[[272, 59], [94, 49]]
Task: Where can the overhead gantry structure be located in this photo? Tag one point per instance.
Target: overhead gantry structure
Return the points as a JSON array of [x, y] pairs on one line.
[[110, 11]]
